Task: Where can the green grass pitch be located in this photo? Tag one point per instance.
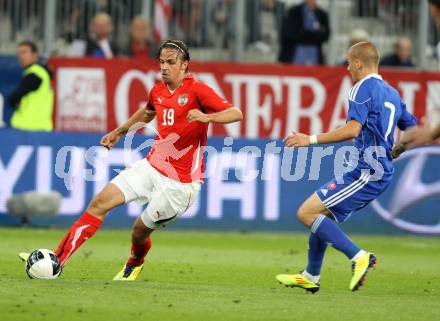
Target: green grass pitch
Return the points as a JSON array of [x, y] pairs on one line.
[[218, 276]]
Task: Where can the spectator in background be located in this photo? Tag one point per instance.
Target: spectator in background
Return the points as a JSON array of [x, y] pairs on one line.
[[266, 23], [434, 8], [426, 134], [187, 21], [33, 97], [99, 44], [356, 36], [305, 28], [139, 46], [402, 55], [223, 22], [81, 12]]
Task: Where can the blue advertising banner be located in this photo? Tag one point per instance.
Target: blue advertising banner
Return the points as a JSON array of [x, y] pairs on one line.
[[249, 185]]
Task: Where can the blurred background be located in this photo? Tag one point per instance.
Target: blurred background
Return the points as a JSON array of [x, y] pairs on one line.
[[88, 64], [239, 30]]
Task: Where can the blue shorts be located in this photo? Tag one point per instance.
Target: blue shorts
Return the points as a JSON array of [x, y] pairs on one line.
[[349, 193]]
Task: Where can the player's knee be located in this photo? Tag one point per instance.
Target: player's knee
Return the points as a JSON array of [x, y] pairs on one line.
[[304, 216], [301, 214]]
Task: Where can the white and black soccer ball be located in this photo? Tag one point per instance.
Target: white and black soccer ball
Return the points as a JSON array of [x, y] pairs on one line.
[[43, 264]]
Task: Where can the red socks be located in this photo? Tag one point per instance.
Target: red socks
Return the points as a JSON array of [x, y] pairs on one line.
[[80, 231], [83, 229], [138, 252]]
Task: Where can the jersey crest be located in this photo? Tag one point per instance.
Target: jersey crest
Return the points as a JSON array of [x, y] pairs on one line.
[[182, 100]]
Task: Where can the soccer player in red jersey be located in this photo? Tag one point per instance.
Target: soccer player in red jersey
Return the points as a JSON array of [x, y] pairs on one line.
[[170, 177]]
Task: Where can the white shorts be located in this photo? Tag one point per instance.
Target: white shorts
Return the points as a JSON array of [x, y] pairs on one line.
[[167, 199]]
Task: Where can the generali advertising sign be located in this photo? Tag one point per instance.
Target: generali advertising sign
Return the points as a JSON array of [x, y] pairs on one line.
[[96, 95]]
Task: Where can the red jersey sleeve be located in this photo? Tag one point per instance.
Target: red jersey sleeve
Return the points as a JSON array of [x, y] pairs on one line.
[[150, 105], [210, 101]]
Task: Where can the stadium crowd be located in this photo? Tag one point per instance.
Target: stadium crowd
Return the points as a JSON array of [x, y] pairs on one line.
[[99, 28], [298, 31]]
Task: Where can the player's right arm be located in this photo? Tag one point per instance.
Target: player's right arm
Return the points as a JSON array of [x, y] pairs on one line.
[[142, 115], [349, 131], [358, 108]]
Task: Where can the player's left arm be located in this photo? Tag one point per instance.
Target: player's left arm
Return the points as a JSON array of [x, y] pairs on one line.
[[213, 107], [349, 131], [413, 135], [229, 115]]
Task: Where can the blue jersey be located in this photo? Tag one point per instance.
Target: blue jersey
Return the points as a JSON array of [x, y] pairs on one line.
[[379, 109]]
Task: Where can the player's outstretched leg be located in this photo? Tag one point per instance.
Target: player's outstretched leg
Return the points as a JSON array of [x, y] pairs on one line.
[[313, 214], [140, 245], [309, 278], [86, 226], [329, 231], [83, 229]]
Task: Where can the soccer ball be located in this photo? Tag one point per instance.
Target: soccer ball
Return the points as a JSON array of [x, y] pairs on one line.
[[43, 264]]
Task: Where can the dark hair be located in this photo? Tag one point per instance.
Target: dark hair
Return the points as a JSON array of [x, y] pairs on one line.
[[178, 45], [30, 44], [435, 3]]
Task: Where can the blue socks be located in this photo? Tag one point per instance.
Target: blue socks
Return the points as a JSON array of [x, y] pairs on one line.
[[328, 231], [316, 253]]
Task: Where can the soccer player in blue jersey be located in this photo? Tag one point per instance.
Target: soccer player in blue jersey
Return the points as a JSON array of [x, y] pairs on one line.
[[375, 109]]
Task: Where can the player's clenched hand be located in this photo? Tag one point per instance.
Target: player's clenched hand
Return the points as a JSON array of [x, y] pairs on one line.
[[297, 140], [397, 150], [197, 115], [111, 139]]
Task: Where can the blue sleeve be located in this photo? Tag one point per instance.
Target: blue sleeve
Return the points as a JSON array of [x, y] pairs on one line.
[[358, 111], [406, 119], [359, 101]]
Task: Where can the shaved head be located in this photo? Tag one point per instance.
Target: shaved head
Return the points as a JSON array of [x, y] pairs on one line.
[[363, 59], [366, 52]]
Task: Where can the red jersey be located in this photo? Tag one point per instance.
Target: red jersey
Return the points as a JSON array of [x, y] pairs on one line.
[[177, 151]]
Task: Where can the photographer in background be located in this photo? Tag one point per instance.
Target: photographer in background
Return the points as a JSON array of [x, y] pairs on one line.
[[33, 97]]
